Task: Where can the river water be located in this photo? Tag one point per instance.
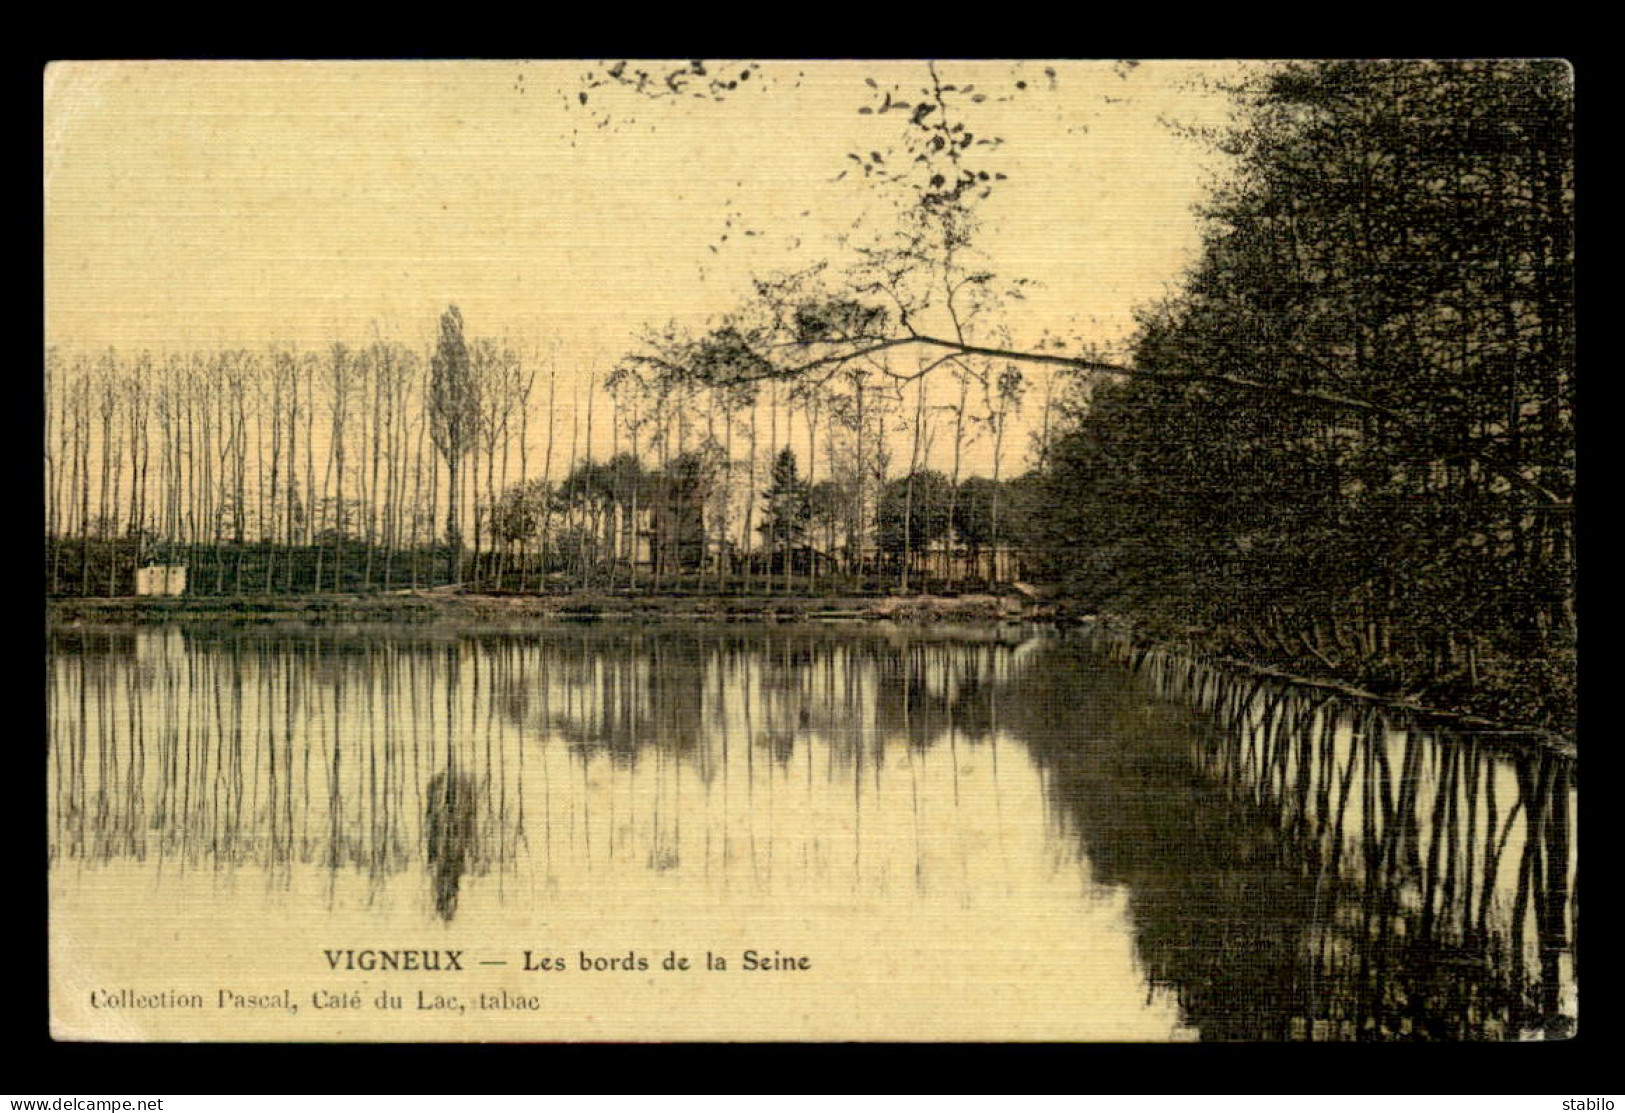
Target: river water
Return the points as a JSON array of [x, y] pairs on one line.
[[1008, 834]]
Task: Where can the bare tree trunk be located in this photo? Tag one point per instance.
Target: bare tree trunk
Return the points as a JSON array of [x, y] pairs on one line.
[[312, 507], [811, 410], [750, 496], [422, 515], [268, 519], [547, 469], [913, 471], [575, 430], [106, 449], [372, 376], [343, 367], [246, 376], [53, 464], [953, 492]]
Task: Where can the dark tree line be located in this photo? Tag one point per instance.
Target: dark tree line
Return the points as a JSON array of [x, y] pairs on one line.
[[1395, 254]]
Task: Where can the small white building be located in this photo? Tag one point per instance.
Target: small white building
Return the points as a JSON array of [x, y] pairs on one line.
[[161, 579]]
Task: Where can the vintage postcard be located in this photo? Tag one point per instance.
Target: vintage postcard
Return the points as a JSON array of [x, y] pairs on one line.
[[703, 550]]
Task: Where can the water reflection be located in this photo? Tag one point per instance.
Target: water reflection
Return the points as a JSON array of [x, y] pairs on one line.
[[1289, 866], [449, 825], [1304, 867]]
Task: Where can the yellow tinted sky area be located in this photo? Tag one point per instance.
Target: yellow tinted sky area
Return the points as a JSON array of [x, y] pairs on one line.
[[198, 205]]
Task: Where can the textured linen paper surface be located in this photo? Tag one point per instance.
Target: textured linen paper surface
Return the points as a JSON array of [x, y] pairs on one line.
[[557, 551]]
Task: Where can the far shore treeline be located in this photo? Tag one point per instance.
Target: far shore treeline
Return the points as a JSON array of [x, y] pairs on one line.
[[378, 468], [1344, 446]]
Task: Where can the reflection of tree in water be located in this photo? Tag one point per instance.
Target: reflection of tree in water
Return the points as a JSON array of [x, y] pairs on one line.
[[756, 698], [929, 691], [217, 748], [630, 693], [1297, 868], [229, 750], [620, 693]]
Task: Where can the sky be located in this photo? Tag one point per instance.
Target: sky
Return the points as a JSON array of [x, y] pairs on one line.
[[198, 205]]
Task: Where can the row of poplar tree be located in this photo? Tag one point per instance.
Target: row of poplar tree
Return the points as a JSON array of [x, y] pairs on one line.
[[384, 467]]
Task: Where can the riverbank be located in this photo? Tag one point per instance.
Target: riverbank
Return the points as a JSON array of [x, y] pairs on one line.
[[450, 606], [1495, 707], [424, 607]]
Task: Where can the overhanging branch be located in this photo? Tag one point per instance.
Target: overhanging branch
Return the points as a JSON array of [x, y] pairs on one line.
[[870, 347]]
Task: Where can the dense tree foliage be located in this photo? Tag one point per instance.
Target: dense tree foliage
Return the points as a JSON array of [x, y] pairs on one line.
[[1395, 251], [914, 512], [454, 414], [788, 509]]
